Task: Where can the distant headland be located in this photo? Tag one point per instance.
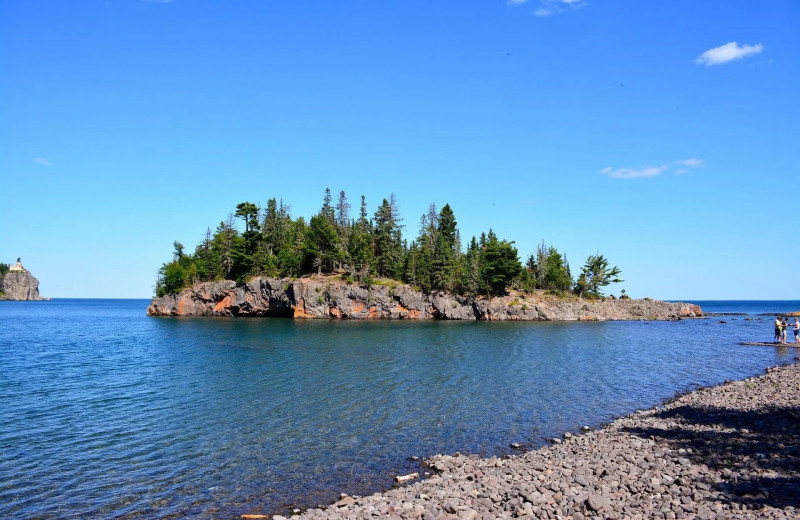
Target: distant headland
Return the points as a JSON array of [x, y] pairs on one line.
[[338, 266], [17, 283]]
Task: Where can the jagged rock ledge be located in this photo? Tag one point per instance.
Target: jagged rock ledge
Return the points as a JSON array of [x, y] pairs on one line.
[[329, 298]]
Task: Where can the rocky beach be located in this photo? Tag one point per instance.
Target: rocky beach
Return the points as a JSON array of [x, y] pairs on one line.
[[724, 452]]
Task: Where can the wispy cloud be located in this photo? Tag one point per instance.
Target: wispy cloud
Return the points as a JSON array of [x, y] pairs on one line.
[[42, 160], [634, 173], [689, 164], [548, 7], [692, 162], [684, 166], [726, 53], [516, 2]]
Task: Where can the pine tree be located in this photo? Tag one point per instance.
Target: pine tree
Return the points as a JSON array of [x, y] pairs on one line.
[[444, 253], [387, 241], [470, 280], [595, 274], [499, 265], [555, 276]]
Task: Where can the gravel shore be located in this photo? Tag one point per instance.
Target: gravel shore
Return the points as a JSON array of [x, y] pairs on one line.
[[731, 451]]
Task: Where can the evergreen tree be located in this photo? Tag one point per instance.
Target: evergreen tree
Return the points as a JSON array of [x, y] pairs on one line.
[[541, 264], [359, 246], [207, 259], [322, 243], [470, 280], [292, 257], [327, 210], [387, 241], [342, 211], [343, 228], [555, 276], [444, 253], [500, 264], [224, 240], [568, 272], [245, 253], [595, 274]]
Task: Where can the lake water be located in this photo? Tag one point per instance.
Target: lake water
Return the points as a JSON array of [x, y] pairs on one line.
[[106, 413]]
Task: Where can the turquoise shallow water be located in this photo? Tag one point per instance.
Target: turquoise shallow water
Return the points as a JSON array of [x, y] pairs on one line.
[[106, 413]]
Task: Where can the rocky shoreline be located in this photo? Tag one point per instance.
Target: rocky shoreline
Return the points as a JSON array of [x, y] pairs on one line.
[[333, 298], [724, 452]]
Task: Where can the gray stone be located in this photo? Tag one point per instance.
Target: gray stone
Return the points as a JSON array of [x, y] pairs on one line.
[[19, 285], [596, 502], [322, 297]]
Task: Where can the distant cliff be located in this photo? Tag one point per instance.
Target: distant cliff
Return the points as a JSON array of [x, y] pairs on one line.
[[326, 298], [19, 285]]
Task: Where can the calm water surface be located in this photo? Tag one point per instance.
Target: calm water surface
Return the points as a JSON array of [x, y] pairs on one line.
[[106, 413]]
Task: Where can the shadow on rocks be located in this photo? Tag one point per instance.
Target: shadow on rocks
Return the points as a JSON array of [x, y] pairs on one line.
[[753, 456]]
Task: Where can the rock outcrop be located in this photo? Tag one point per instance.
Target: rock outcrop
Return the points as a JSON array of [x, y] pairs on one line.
[[325, 298], [19, 285]]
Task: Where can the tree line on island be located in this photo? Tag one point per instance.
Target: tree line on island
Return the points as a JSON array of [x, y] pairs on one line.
[[363, 249]]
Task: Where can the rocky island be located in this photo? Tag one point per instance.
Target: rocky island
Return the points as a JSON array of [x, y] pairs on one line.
[[17, 283], [335, 266], [321, 297]]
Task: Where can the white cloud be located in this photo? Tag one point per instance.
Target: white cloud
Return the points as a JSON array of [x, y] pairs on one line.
[[692, 162], [42, 160], [516, 2], [729, 52], [548, 7], [685, 166], [634, 173]]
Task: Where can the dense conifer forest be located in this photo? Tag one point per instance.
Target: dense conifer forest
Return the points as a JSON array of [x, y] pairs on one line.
[[366, 248]]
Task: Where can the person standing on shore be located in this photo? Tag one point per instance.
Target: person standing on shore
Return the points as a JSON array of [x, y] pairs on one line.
[[796, 329], [784, 329], [777, 329]]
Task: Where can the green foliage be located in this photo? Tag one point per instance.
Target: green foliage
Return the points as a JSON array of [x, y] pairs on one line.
[[275, 244], [322, 243], [556, 278], [4, 268], [445, 254], [500, 264], [470, 269], [171, 279], [596, 274], [387, 241]]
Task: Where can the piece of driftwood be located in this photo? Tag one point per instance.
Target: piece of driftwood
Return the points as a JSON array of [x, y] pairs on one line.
[[406, 478]]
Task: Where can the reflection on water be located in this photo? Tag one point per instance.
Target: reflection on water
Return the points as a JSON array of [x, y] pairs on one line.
[[107, 413]]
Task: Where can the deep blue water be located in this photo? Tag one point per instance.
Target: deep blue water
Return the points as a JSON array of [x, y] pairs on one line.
[[106, 413], [753, 307]]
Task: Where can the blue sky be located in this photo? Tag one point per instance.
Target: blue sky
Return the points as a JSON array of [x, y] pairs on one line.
[[661, 134]]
